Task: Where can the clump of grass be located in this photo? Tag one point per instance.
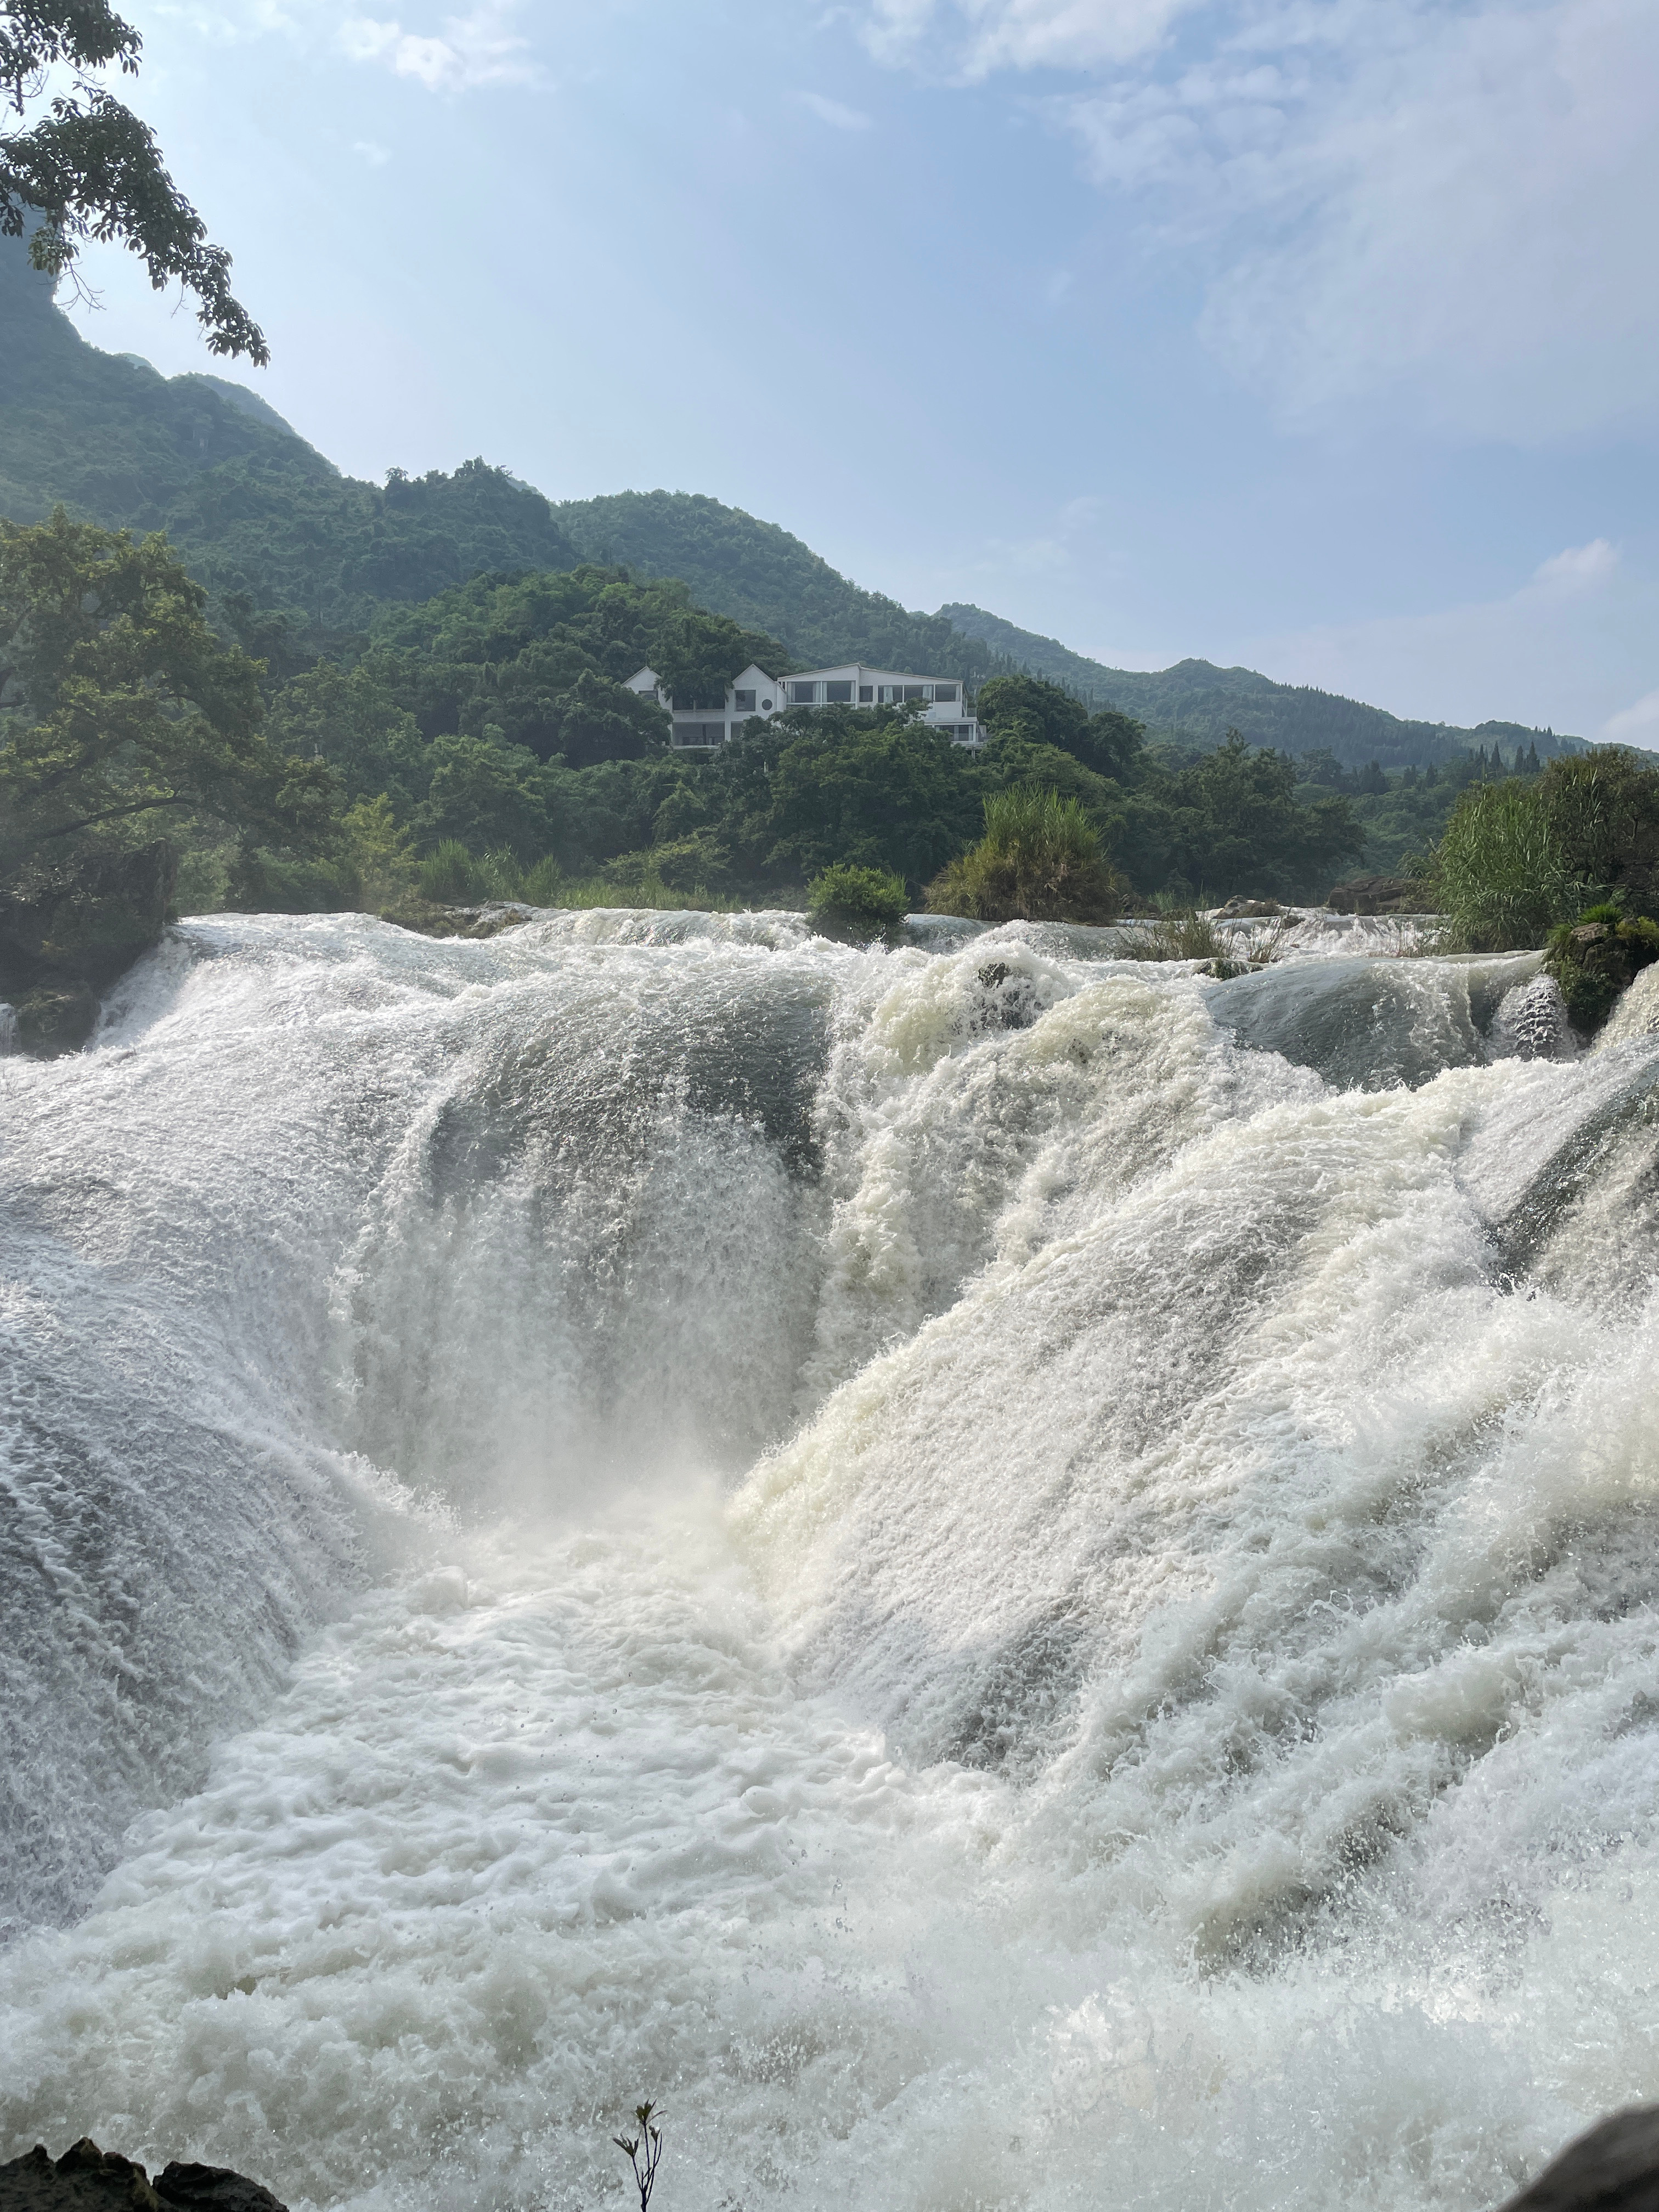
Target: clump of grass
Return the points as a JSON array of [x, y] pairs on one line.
[[451, 876], [857, 905], [1176, 933], [1039, 860]]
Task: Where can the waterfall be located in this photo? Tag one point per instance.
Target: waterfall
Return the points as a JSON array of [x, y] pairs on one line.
[[1012, 1577]]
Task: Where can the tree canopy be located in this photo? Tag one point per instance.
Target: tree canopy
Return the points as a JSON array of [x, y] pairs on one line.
[[121, 712], [84, 167]]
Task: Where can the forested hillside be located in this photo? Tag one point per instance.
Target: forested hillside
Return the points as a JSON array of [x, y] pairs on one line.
[[1199, 702], [760, 575], [254, 510]]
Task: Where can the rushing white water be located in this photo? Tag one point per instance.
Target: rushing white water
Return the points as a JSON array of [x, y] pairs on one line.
[[1014, 1578]]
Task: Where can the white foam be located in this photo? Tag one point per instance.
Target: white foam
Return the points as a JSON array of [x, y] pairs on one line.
[[1178, 1716]]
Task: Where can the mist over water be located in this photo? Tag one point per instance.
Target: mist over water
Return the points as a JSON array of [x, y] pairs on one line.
[[1015, 1578]]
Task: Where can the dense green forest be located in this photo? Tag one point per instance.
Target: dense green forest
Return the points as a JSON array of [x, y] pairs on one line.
[[762, 576], [491, 720]]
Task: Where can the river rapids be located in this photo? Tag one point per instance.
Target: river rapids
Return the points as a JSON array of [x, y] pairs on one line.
[[1011, 1577]]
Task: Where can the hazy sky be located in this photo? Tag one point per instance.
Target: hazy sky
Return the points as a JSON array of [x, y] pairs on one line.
[[1317, 335]]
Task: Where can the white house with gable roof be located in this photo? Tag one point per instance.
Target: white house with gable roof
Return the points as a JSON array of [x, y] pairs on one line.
[[754, 693]]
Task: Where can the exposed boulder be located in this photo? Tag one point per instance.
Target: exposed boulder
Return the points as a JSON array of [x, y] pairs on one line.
[[1244, 910], [1376, 895], [1596, 959], [87, 2179], [68, 927], [427, 918], [1613, 2169], [212, 2189]]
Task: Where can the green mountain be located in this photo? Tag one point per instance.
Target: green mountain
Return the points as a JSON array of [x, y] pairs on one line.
[[261, 517], [251, 508], [762, 577], [1198, 703]]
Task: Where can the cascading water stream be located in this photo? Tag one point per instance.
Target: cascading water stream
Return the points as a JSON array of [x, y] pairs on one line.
[[1015, 1577]]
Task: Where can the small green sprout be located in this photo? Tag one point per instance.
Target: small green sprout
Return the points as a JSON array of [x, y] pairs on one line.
[[643, 2151]]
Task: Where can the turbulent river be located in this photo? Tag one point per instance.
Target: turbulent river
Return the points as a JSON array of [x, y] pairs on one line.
[[1012, 1578]]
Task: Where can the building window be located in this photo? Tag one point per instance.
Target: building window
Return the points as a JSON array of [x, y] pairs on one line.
[[915, 690], [766, 706], [699, 733], [838, 694], [867, 693], [965, 731], [803, 694], [744, 702], [945, 694]]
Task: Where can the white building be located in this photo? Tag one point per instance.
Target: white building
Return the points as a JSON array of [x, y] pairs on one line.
[[756, 693]]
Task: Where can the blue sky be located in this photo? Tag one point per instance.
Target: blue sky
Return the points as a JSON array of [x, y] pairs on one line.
[[1316, 335]]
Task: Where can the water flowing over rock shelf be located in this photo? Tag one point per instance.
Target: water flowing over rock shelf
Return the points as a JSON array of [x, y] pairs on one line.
[[1004, 1573]]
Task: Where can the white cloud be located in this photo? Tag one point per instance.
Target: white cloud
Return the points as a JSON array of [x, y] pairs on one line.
[[1568, 646], [1579, 568], [981, 36], [1442, 208], [832, 113], [1636, 725], [473, 52], [376, 156]]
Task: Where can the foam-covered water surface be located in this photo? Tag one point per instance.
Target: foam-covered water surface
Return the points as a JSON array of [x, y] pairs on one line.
[[1011, 1575]]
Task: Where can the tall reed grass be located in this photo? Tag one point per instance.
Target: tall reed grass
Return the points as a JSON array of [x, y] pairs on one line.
[[1503, 873]]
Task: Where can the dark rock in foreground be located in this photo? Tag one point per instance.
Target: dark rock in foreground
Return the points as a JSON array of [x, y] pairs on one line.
[[1613, 2169], [87, 2179]]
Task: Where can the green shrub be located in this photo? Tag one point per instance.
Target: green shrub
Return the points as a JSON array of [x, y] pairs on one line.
[[447, 874], [1503, 869], [1604, 808], [857, 905], [1039, 860]]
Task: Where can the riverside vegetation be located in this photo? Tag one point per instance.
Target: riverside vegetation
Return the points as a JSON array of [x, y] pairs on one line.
[[482, 745], [1569, 858]]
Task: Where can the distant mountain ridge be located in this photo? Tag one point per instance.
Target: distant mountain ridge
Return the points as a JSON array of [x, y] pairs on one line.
[[1198, 701], [257, 513]]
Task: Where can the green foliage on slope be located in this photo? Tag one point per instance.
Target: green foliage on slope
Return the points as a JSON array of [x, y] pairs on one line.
[[767, 579], [103, 433], [250, 507], [541, 658], [1198, 702]]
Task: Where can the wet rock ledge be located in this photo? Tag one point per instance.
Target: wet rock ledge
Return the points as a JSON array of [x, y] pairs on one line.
[[87, 2179]]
